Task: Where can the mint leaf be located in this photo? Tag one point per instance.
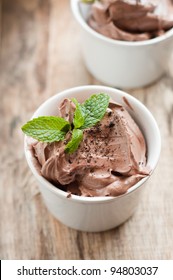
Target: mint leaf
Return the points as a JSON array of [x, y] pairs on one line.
[[94, 109], [77, 136], [78, 120], [88, 1], [47, 128]]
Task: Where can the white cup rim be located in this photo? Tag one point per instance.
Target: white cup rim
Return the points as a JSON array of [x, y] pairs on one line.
[[80, 19], [81, 199]]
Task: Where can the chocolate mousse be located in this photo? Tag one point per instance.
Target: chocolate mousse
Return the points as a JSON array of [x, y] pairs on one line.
[[110, 159], [131, 20]]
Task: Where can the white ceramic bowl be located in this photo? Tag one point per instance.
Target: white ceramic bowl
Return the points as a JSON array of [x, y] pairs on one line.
[[118, 63], [97, 213]]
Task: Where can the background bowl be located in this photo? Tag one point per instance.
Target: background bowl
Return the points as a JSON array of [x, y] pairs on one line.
[[97, 213], [119, 63]]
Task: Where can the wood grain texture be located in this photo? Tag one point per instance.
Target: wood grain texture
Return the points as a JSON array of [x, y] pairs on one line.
[[40, 55]]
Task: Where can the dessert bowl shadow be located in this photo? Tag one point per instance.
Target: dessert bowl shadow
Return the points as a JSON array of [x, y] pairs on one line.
[[118, 63], [95, 214]]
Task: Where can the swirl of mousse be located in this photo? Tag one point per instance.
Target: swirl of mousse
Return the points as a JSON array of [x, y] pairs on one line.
[[110, 159], [131, 20]]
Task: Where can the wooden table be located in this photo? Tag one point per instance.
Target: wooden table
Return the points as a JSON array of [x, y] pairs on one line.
[[40, 55]]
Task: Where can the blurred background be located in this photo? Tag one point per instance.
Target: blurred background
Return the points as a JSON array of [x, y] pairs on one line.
[[40, 55]]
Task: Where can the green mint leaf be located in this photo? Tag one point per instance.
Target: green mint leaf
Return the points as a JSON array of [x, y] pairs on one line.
[[47, 128], [95, 109], [88, 1], [72, 145], [78, 120]]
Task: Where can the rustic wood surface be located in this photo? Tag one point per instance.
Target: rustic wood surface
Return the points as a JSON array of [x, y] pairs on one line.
[[40, 55]]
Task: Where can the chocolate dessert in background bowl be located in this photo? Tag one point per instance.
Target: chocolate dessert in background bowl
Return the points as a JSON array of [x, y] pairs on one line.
[[133, 39], [97, 185]]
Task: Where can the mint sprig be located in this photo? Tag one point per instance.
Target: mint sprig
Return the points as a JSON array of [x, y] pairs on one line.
[[51, 129], [73, 144], [47, 128]]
